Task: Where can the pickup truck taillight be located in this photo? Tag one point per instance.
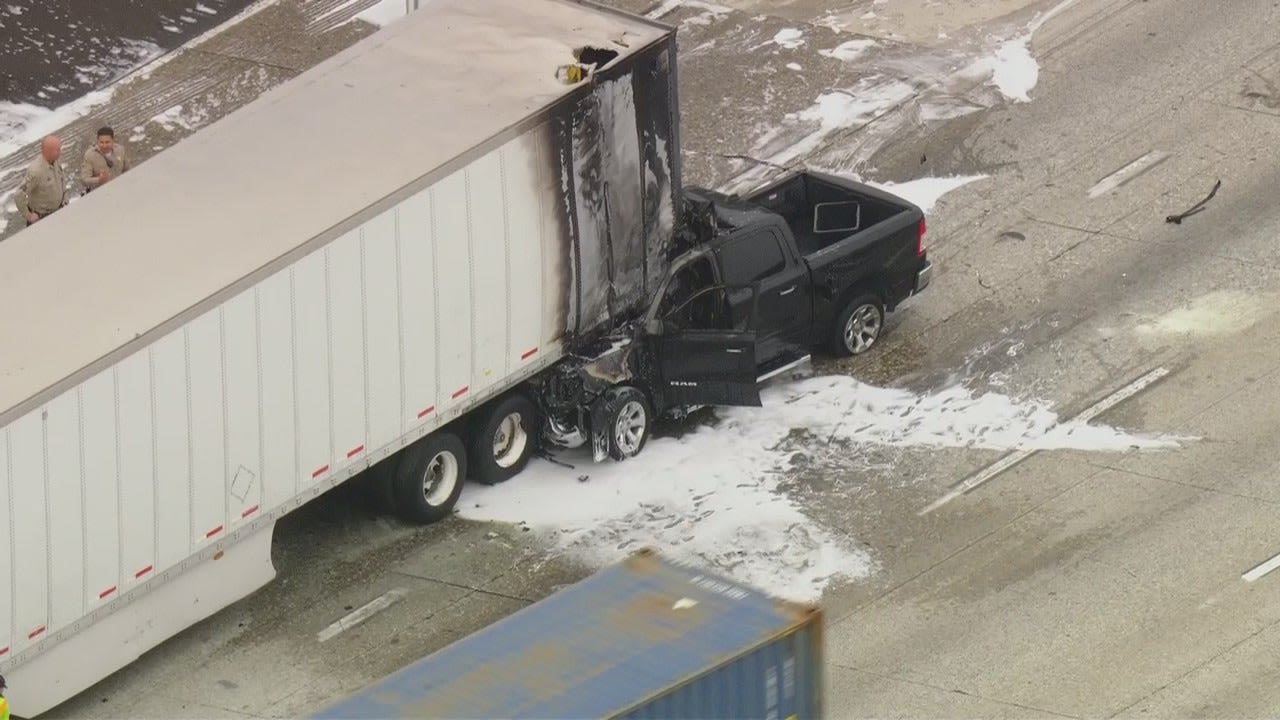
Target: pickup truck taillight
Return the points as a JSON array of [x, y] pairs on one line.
[[924, 227]]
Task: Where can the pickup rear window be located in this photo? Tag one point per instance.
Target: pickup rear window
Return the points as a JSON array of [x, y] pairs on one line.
[[755, 255]]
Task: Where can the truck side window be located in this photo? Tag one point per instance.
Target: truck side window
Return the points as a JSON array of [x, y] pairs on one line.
[[690, 302], [754, 256]]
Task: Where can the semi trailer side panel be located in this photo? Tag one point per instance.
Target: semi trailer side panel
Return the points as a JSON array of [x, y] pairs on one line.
[[206, 436], [181, 382]]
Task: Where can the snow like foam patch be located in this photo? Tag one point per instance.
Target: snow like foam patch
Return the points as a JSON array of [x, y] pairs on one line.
[[1013, 69], [715, 496], [789, 38], [937, 85], [925, 192], [176, 117], [850, 50], [386, 12], [1219, 312], [22, 124], [832, 112], [383, 13], [711, 12]]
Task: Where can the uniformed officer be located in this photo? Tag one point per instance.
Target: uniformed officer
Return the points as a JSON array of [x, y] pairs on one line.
[[4, 701], [44, 190], [103, 161]]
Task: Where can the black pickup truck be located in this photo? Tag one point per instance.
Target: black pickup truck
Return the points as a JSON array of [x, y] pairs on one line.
[[809, 261]]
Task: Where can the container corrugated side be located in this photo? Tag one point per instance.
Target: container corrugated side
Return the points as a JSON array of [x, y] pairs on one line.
[[782, 679], [608, 645]]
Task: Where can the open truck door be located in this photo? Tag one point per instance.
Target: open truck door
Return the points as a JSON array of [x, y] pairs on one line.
[[702, 356]]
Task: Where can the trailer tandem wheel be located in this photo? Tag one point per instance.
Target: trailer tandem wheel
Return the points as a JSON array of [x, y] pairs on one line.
[[504, 439], [429, 478]]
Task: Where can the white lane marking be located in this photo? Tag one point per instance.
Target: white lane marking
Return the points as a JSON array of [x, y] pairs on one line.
[[1018, 456], [363, 613], [1128, 172], [1120, 395], [1262, 569]]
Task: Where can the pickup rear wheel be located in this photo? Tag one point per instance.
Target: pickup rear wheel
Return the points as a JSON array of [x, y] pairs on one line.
[[429, 478], [858, 326]]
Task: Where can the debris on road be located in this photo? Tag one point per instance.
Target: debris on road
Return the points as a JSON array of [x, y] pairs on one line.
[[1198, 207]]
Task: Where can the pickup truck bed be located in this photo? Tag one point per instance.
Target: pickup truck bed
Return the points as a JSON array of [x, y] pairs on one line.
[[822, 212]]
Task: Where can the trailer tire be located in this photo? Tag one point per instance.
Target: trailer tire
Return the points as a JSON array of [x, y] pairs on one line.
[[504, 440], [627, 418], [858, 326], [429, 478]]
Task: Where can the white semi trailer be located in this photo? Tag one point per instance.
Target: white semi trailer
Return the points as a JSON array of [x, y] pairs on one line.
[[402, 258]]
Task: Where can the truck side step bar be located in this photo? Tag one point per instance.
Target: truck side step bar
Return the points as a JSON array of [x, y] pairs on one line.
[[787, 365]]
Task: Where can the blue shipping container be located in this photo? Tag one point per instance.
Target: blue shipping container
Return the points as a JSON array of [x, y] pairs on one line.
[[646, 638]]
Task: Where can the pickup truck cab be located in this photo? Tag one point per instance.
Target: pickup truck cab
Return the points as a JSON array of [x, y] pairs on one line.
[[810, 261]]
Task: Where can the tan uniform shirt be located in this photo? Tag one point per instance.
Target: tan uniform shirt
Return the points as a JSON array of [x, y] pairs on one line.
[[43, 190], [95, 162]]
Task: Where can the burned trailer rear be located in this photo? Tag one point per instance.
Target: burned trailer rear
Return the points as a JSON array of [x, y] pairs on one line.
[[619, 155], [616, 139]]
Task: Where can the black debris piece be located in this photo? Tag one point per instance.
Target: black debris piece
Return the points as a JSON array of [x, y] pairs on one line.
[[1177, 219]]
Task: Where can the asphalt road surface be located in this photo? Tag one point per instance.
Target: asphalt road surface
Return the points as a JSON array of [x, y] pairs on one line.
[[1055, 583], [54, 51]]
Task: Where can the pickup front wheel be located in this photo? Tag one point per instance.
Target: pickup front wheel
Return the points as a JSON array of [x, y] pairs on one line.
[[626, 414], [858, 326]]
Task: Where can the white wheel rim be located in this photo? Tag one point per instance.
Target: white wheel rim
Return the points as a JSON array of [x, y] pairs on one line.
[[509, 441], [440, 478], [628, 430], [862, 329]]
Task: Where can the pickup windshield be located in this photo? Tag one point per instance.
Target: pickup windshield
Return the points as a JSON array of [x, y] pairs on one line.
[[821, 213]]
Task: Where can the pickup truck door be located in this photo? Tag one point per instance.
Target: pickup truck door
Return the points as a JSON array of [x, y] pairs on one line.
[[699, 359], [784, 304]]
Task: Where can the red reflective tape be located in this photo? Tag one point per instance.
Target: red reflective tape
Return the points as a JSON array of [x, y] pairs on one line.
[[32, 635], [426, 412], [529, 353], [320, 472], [355, 451], [143, 571], [249, 512], [106, 592], [461, 391], [4, 650], [213, 532]]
